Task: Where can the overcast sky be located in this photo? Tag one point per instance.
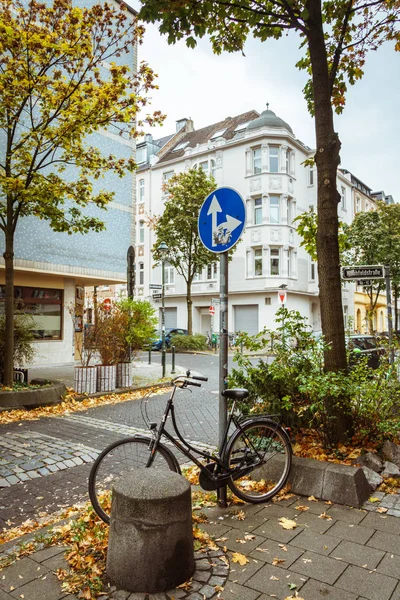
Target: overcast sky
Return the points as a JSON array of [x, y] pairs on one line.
[[208, 88]]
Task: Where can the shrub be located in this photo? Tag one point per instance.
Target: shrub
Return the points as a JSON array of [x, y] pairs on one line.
[[24, 350], [295, 385], [189, 342]]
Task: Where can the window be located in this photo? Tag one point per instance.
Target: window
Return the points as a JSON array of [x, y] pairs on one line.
[[169, 274], [204, 165], [212, 271], [311, 177], [273, 159], [45, 307], [343, 198], [166, 176], [217, 133], [256, 155], [141, 232], [181, 146], [358, 204], [141, 273], [258, 211], [287, 161], [274, 209], [258, 267], [141, 155], [213, 167], [312, 271], [241, 126], [141, 190], [274, 261]]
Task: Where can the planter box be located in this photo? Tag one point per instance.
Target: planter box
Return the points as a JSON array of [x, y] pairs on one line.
[[85, 380], [106, 378], [124, 375]]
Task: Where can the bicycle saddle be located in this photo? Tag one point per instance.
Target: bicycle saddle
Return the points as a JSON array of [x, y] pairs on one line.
[[236, 394]]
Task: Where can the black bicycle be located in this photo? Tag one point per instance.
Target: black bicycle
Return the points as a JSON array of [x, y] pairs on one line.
[[254, 461]]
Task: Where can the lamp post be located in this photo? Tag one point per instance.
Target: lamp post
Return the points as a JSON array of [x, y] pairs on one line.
[[163, 251]]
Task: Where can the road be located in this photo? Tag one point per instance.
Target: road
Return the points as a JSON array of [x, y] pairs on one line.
[[47, 462]]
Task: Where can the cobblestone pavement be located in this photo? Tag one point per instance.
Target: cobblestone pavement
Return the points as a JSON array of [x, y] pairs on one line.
[[333, 552]]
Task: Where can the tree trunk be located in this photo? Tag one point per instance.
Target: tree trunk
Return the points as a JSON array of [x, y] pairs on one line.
[[327, 161], [9, 310], [189, 304]]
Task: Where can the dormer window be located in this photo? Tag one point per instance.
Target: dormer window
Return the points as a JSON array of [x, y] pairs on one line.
[[181, 146], [217, 134]]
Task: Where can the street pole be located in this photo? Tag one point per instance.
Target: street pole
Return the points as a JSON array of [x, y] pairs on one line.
[[223, 359], [163, 317], [389, 312]]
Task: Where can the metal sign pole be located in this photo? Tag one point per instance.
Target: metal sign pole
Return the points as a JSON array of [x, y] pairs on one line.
[[223, 359], [389, 312]]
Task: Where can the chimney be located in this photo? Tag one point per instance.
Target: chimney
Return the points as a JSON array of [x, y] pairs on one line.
[[185, 123]]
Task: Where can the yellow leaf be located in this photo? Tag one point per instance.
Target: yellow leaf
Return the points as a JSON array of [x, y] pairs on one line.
[[312, 499], [381, 509], [374, 499], [296, 597], [239, 558], [325, 516], [287, 523], [278, 561], [301, 507], [240, 516]]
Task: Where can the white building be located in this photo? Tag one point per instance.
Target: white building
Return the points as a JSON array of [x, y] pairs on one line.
[[261, 158]]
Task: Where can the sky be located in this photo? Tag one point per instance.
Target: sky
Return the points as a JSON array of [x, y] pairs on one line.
[[208, 88]]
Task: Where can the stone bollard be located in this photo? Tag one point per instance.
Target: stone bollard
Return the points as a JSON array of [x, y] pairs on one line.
[[150, 546]]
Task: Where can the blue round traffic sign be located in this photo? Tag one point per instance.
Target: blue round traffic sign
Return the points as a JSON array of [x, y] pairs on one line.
[[222, 219]]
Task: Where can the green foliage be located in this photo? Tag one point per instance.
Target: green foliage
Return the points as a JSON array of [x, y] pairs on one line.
[[349, 29], [24, 350], [307, 226], [177, 226], [55, 93], [189, 342], [292, 382], [139, 321], [125, 324]]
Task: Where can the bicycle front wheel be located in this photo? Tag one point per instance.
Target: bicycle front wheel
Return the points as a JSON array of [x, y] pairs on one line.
[[260, 455], [118, 459]]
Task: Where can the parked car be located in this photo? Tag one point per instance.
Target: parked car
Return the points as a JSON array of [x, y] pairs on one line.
[[169, 332], [361, 344]]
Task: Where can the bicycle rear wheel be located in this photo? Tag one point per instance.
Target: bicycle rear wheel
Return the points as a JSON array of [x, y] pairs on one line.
[[261, 456], [117, 460]]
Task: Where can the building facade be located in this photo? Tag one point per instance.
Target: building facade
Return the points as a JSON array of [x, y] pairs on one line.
[[261, 158], [52, 268]]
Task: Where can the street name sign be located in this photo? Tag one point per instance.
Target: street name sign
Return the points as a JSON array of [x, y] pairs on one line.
[[365, 282], [364, 272], [155, 286], [157, 296], [221, 219]]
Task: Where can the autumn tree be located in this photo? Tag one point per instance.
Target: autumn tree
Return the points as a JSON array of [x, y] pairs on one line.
[[177, 227], [374, 238], [63, 77], [336, 36]]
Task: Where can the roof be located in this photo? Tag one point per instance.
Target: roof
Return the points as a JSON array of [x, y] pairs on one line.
[[268, 119], [226, 129]]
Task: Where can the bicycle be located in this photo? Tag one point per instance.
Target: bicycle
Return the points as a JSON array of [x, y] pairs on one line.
[[254, 461]]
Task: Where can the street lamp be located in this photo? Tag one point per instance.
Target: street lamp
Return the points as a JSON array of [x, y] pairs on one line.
[[163, 251]]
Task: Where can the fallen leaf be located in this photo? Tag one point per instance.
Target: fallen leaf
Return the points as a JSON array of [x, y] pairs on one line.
[[381, 509], [248, 537], [278, 561], [273, 578], [283, 547], [301, 507], [374, 499], [312, 499], [262, 549], [325, 516], [287, 523], [239, 558], [240, 516]]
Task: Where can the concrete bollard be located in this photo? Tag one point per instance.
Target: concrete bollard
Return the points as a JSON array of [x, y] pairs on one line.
[[150, 546]]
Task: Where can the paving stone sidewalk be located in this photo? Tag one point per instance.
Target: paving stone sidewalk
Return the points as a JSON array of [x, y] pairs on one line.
[[334, 552]]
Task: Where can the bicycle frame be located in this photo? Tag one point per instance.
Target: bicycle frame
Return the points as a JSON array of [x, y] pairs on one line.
[[186, 449]]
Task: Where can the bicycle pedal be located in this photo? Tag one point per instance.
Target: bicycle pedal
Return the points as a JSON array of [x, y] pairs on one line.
[[152, 426]]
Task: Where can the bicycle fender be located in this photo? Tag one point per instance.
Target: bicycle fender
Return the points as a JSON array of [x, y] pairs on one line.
[[271, 422], [165, 448]]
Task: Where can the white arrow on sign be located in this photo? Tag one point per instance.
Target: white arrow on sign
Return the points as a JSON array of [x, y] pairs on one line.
[[221, 234]]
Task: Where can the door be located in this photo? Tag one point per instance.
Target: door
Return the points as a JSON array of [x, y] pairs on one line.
[[171, 318]]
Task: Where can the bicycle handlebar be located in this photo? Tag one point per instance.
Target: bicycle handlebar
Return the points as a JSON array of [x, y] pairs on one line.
[[188, 379]]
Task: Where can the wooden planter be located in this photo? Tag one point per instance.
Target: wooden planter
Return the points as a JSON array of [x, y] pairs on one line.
[[106, 378], [85, 380], [124, 375]]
